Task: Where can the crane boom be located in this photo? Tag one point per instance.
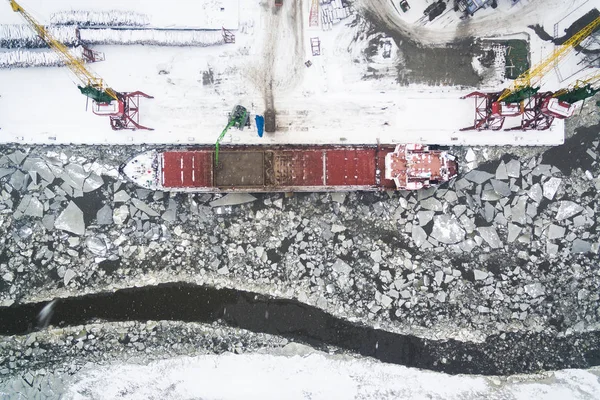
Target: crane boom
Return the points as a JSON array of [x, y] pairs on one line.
[[94, 85], [580, 90], [535, 74]]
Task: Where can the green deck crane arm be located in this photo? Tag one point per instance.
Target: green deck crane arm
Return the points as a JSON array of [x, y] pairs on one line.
[[229, 125]]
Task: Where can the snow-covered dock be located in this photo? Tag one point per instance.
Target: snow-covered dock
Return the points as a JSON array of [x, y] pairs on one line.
[[334, 98]]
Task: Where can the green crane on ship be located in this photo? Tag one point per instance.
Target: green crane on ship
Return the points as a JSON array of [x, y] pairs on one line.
[[238, 118]]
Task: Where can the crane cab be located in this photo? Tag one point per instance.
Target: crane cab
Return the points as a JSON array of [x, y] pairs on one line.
[[558, 109], [502, 109], [115, 108]]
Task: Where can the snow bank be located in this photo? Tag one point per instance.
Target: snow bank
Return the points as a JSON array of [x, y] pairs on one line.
[[153, 37], [22, 36], [316, 376], [16, 36], [100, 18], [34, 58]]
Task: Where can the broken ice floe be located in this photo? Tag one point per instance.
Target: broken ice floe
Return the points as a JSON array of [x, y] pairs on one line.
[[513, 169], [567, 209], [447, 229], [232, 199], [551, 187], [489, 234], [71, 220]]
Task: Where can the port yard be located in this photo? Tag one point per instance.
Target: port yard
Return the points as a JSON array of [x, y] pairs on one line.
[[349, 84]]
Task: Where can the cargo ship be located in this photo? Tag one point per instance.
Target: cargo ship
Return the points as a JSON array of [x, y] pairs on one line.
[[292, 168]]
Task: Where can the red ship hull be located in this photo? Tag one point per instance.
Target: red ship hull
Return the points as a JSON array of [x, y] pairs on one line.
[[291, 168]]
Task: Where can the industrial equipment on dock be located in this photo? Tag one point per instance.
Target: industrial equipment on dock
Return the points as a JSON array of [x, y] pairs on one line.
[[121, 107], [538, 110]]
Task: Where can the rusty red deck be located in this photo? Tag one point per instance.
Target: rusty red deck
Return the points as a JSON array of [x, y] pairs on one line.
[[277, 168]]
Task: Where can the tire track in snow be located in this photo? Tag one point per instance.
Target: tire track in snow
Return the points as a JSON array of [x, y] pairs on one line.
[[529, 13]]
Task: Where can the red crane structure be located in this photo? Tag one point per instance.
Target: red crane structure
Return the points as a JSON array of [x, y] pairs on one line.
[[522, 98]]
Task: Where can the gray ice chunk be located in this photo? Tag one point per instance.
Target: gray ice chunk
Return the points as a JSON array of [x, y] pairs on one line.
[[513, 232], [431, 203], [488, 211], [518, 211], [96, 246], [424, 217], [233, 199], [48, 221], [34, 208], [502, 188], [542, 169], [534, 289], [556, 232], [480, 275], [40, 167], [478, 176], [71, 220], [447, 229], [535, 193], [104, 216], [17, 157], [140, 205], [551, 187], [341, 267], [69, 274], [121, 197], [490, 195], [513, 169], [339, 197], [581, 246], [92, 182], [120, 214], [18, 180], [501, 172], [170, 215], [567, 209], [419, 236], [489, 234], [77, 175]]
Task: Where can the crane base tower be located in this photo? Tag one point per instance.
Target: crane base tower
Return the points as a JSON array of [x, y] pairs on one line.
[[130, 118], [533, 116], [124, 113], [484, 116]]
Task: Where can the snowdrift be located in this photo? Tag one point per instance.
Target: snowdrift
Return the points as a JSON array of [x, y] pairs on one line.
[[34, 58], [157, 37], [100, 18], [22, 36]]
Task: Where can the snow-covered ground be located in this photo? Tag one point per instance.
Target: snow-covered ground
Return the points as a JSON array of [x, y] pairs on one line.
[[329, 102], [204, 14], [314, 376]]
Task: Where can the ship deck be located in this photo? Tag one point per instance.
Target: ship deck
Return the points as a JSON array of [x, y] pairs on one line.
[[314, 168]]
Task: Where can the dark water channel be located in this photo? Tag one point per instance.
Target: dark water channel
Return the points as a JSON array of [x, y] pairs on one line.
[[513, 353]]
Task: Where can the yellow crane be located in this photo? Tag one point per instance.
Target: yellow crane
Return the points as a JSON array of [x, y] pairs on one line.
[[532, 77], [122, 107]]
